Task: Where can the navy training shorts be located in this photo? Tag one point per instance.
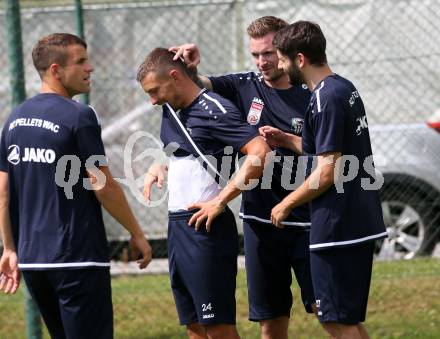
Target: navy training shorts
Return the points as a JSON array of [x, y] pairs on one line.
[[341, 279], [203, 268], [270, 254]]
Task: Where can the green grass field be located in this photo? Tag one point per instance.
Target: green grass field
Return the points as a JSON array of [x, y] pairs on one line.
[[404, 303]]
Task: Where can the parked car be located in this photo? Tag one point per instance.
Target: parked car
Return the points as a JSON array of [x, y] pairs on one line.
[[409, 158]]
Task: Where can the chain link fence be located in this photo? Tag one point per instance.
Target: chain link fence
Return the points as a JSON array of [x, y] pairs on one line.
[[390, 49]]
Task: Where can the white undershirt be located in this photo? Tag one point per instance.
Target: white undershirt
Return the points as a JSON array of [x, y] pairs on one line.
[[189, 182]]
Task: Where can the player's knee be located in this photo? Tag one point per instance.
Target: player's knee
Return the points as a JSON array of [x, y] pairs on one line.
[[274, 328], [342, 331], [196, 331], [222, 331]]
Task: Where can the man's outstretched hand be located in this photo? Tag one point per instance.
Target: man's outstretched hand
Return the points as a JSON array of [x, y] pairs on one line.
[[9, 273]]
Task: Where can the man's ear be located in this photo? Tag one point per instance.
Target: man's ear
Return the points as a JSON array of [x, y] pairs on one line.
[[175, 74], [54, 70], [301, 60]]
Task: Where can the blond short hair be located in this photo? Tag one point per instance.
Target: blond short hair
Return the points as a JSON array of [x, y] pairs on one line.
[[264, 25]]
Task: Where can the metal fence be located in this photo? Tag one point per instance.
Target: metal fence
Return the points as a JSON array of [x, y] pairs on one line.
[[390, 49]]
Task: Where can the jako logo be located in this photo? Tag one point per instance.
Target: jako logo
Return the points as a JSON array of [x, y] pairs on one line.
[[207, 316], [14, 154], [38, 155], [31, 154]]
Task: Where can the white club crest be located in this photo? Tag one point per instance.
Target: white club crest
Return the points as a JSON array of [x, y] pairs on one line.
[[255, 111]]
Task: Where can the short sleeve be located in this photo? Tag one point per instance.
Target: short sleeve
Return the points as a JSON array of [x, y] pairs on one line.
[[3, 153], [231, 129], [88, 136], [226, 86], [328, 124]]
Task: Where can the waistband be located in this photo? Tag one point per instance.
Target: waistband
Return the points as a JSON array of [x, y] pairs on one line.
[[179, 215]]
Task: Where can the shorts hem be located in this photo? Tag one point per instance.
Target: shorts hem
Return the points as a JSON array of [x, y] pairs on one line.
[[268, 317], [341, 321], [186, 323], [216, 322]]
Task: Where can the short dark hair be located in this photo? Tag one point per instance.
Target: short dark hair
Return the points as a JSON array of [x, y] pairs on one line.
[[160, 60], [265, 25], [52, 49], [302, 37]]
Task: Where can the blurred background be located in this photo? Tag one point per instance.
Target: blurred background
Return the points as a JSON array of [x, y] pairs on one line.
[[390, 50]]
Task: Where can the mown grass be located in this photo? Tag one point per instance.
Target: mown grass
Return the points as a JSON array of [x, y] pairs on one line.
[[404, 303]]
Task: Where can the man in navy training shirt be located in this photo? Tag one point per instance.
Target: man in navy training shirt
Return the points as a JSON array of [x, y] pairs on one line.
[[56, 238], [346, 214], [202, 260], [270, 103]]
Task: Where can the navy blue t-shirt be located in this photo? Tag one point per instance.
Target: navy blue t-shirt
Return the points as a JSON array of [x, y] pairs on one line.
[[336, 122], [213, 123], [262, 105], [50, 230]]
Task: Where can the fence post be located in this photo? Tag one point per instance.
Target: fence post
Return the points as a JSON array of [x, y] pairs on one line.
[[80, 32], [18, 90], [15, 52]]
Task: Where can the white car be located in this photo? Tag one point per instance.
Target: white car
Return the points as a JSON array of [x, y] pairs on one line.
[[408, 156]]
